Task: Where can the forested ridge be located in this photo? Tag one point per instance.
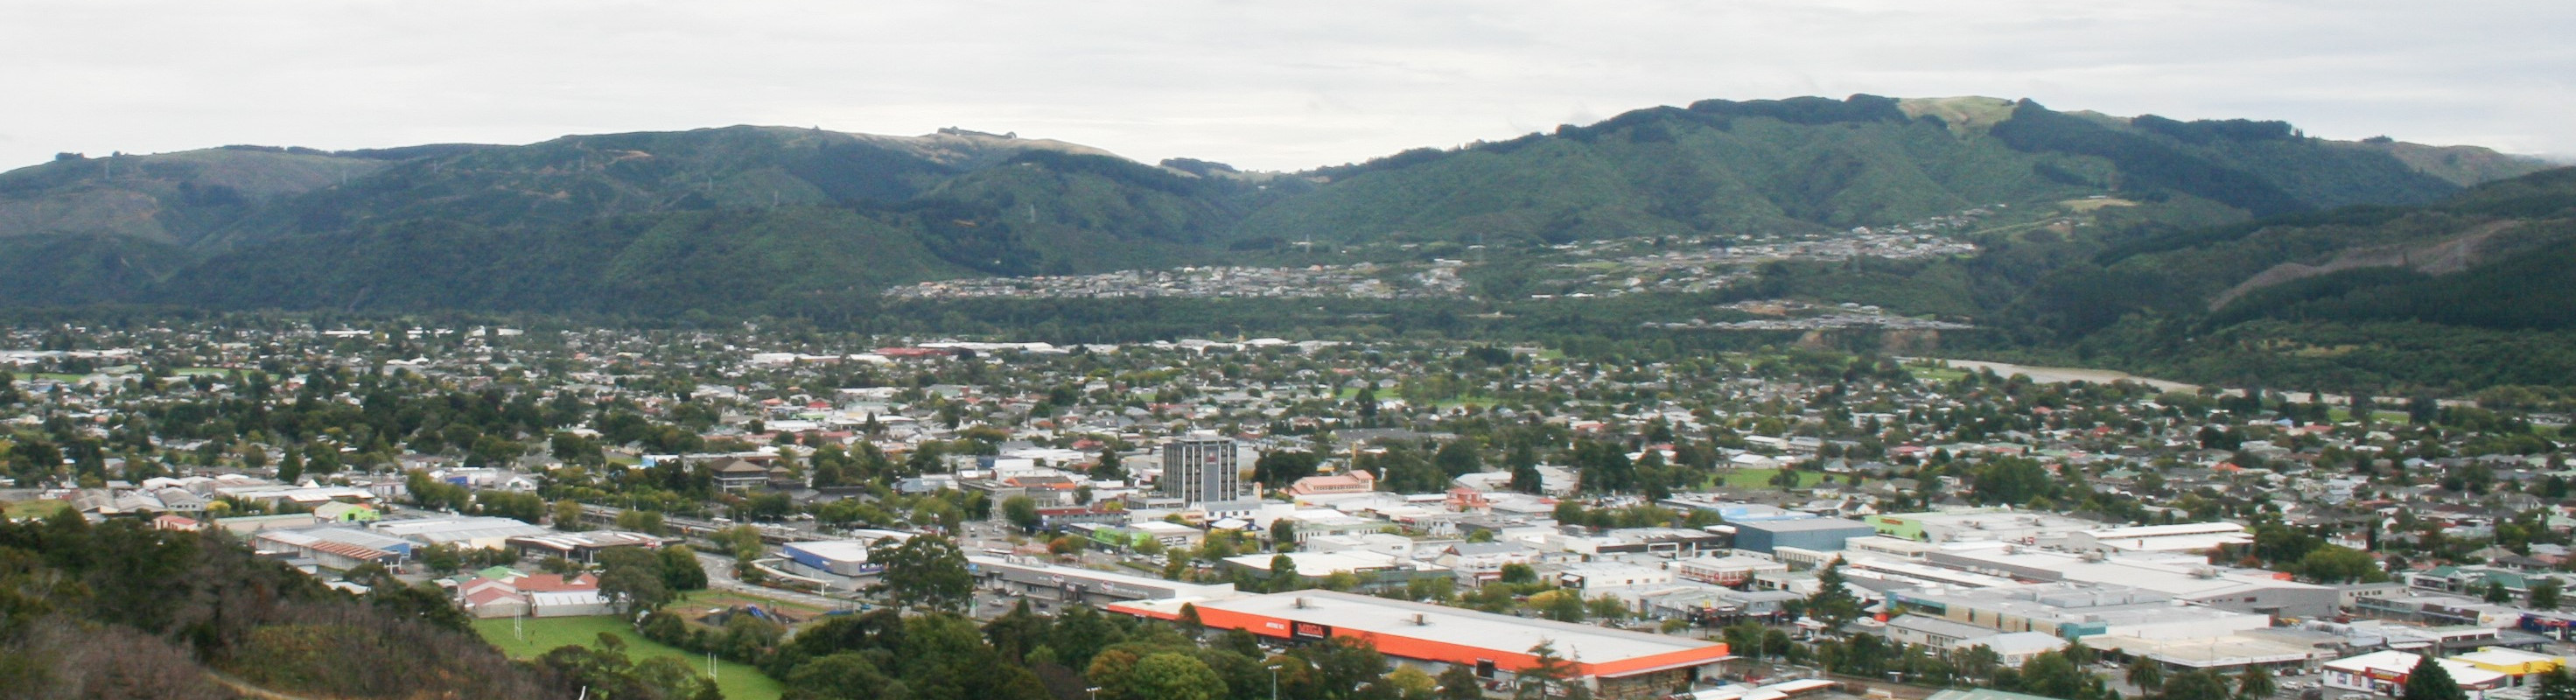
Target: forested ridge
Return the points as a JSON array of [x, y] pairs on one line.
[[739, 222], [749, 220]]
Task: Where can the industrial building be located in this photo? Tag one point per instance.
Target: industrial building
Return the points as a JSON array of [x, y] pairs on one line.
[[2384, 673], [1592, 576], [1614, 664], [1980, 525], [1732, 511], [2013, 648], [2184, 577], [469, 532], [2186, 537], [841, 557], [1375, 570], [2076, 611], [323, 550], [1200, 468], [1659, 541], [1051, 585], [1822, 534], [1725, 571], [582, 547]]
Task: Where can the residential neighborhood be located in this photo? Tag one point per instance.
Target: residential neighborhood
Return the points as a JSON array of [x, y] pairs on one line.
[[1664, 519]]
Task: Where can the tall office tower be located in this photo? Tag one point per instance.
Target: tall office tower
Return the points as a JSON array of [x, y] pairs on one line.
[[1201, 467]]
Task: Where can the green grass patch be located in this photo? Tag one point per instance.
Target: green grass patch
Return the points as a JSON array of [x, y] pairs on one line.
[[1929, 373], [1761, 478], [58, 376], [34, 509], [2340, 414], [201, 371], [738, 681]]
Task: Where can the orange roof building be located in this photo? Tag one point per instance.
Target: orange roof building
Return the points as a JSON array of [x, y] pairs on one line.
[[1616, 664]]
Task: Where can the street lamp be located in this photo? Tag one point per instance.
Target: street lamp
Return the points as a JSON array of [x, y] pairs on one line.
[[1274, 680], [1092, 692]]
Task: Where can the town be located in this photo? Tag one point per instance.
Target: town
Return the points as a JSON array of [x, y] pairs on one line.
[[1412, 270], [1510, 520]]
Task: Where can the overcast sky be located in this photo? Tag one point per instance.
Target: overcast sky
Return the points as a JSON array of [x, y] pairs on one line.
[[1270, 85]]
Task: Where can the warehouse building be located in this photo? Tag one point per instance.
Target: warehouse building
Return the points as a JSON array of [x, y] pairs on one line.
[[1725, 571], [582, 547], [2385, 672], [845, 558], [2185, 537], [2076, 611], [1051, 585], [324, 552], [841, 557], [1981, 525], [1822, 534], [468, 532], [2185, 577], [1613, 664]]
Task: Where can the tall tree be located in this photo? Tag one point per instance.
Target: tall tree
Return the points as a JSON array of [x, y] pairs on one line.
[[2198, 684], [291, 470], [2145, 673], [926, 571], [1170, 676], [1832, 604], [2051, 674], [2429, 681], [2254, 683], [567, 516], [632, 579], [1022, 512], [1458, 683], [681, 570], [2555, 685], [1458, 458], [1545, 675]]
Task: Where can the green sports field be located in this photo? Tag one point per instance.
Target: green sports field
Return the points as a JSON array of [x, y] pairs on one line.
[[738, 681]]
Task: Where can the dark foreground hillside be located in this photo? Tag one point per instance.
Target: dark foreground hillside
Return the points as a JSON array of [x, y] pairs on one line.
[[121, 611]]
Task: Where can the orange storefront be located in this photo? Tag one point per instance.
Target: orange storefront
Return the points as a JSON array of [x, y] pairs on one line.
[[1643, 674]]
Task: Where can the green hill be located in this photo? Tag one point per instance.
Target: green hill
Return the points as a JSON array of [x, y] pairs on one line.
[[1812, 164], [2474, 291], [167, 198], [744, 219]]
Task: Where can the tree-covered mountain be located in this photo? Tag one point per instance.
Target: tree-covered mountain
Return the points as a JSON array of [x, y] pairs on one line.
[[2476, 290], [735, 220], [744, 220], [1816, 164]]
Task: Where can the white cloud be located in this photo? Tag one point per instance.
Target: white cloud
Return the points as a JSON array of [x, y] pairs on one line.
[[1270, 85]]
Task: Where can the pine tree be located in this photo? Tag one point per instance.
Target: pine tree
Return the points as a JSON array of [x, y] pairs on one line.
[[2429, 681], [1526, 479], [1832, 604], [1545, 675], [291, 470]]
